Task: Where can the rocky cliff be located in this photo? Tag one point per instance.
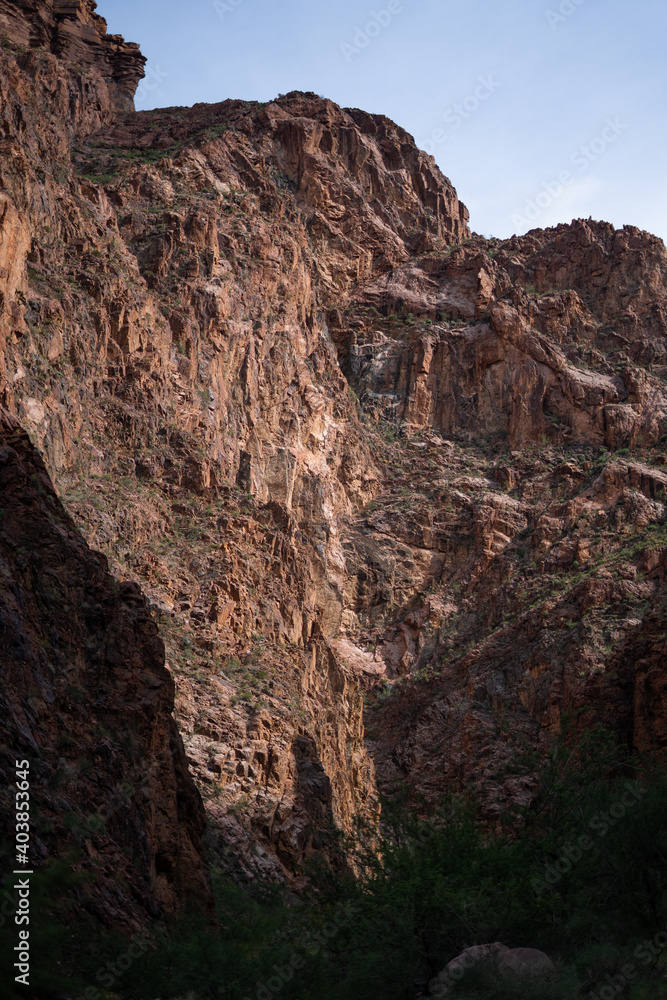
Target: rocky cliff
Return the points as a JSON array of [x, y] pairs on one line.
[[87, 702], [526, 551], [347, 449], [97, 73]]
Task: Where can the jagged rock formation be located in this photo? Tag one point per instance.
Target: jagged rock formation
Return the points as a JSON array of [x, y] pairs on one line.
[[105, 69], [527, 558], [342, 445], [551, 330], [86, 700]]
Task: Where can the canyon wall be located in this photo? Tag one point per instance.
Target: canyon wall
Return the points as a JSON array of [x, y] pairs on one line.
[[349, 451], [87, 702]]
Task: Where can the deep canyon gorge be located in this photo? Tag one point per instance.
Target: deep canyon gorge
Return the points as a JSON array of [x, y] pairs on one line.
[[310, 497]]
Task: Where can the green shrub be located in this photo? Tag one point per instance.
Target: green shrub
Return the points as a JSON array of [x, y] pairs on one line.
[[581, 875]]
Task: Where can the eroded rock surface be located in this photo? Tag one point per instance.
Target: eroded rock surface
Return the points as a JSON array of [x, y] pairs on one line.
[[526, 552], [87, 702], [347, 449], [558, 335], [106, 68]]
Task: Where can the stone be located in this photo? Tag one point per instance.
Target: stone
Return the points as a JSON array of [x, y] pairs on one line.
[[496, 958], [86, 697], [348, 450]]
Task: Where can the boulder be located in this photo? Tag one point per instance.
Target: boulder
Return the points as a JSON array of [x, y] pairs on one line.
[[492, 958]]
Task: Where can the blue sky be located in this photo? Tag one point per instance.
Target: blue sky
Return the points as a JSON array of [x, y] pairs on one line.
[[539, 111]]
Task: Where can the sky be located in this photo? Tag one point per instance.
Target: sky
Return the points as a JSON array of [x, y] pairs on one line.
[[539, 111]]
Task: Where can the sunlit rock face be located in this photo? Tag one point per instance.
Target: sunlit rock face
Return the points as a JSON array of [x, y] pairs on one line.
[[100, 72], [347, 449]]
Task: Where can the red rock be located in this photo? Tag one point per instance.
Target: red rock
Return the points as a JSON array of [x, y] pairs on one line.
[[86, 700], [188, 299]]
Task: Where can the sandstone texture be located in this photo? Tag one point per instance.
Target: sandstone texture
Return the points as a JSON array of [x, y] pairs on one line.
[[395, 493]]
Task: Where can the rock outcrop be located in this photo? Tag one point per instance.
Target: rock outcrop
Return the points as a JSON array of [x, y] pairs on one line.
[[101, 71], [557, 336], [519, 551], [346, 449], [86, 700]]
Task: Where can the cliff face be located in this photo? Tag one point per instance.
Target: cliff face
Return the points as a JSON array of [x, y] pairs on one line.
[[344, 447], [514, 349], [87, 701], [558, 334], [526, 553], [97, 72], [85, 694]]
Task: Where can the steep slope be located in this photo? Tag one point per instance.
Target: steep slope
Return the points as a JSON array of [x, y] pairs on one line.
[[86, 700], [517, 570], [345, 448], [166, 348]]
